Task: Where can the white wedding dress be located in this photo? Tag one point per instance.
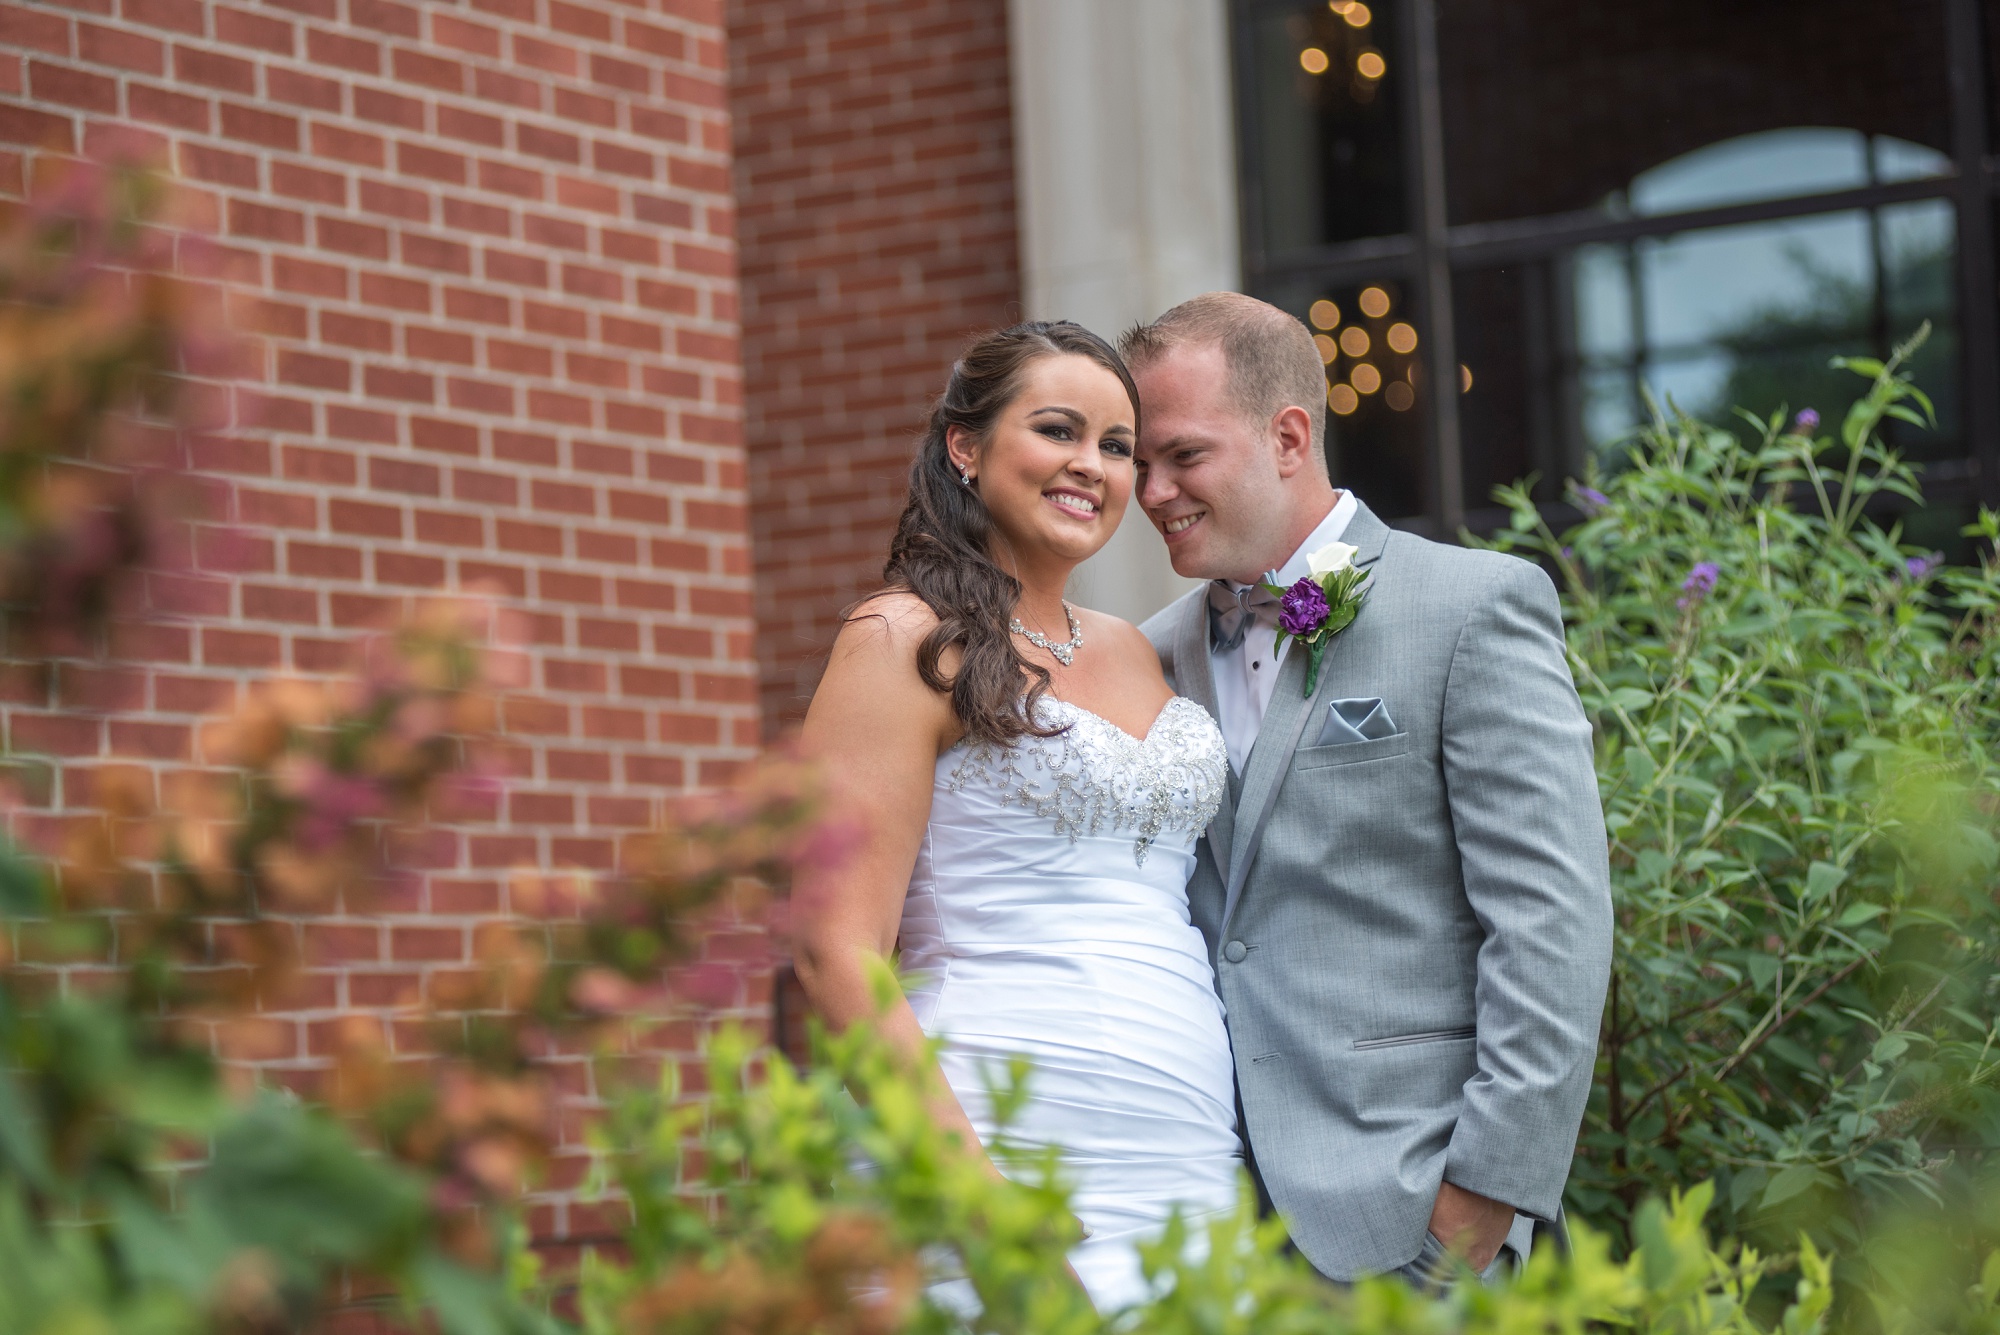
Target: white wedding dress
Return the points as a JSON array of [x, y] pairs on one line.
[[1047, 918]]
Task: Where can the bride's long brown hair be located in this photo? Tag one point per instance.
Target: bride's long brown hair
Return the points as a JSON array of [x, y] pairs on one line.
[[943, 548]]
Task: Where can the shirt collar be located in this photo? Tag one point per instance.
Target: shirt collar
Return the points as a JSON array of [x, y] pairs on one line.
[[1330, 530]]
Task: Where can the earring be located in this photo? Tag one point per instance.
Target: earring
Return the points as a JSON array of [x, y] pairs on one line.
[[964, 478]]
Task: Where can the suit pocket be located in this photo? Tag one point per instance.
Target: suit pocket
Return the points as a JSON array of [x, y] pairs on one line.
[[1405, 1040], [1350, 753]]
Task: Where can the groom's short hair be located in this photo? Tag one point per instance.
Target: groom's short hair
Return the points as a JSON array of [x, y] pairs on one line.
[[1273, 364]]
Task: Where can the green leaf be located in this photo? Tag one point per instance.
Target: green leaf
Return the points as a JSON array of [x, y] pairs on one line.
[[23, 887], [1822, 879], [1788, 1183], [23, 1136], [1856, 914]]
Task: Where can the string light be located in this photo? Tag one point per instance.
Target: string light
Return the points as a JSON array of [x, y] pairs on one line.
[[1399, 395], [1340, 6], [1401, 337], [1328, 350], [1365, 378], [1464, 378], [1354, 341], [1374, 302], [1370, 65], [1324, 314], [1313, 60], [1342, 399], [1357, 15]]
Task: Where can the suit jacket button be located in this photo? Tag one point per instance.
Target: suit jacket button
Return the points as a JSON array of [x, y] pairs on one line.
[[1235, 951]]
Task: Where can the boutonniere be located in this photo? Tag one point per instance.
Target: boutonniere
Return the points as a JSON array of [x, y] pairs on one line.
[[1322, 604]]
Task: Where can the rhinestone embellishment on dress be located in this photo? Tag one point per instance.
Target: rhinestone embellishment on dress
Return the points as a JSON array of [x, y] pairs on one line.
[[1095, 776]]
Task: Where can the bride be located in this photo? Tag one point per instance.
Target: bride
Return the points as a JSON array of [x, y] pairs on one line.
[[1032, 792]]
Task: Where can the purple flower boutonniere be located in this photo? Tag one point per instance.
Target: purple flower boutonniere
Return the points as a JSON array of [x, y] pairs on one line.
[[1322, 604]]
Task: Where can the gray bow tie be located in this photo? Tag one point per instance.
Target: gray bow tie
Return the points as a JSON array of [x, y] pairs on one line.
[[1230, 612]]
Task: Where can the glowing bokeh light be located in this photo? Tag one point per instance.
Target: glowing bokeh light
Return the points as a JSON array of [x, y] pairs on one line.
[[1340, 6], [1464, 378], [1365, 378], [1374, 302], [1324, 314], [1399, 395], [1342, 399], [1358, 15], [1401, 337], [1354, 341], [1370, 65], [1328, 349], [1313, 60]]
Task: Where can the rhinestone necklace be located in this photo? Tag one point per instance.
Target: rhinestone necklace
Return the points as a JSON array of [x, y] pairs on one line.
[[1064, 653]]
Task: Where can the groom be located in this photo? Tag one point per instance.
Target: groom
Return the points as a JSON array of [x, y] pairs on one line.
[[1406, 897]]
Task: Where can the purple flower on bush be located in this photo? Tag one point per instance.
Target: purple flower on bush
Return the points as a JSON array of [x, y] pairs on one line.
[[1303, 609], [1916, 567], [1700, 583], [1806, 420], [1592, 499]]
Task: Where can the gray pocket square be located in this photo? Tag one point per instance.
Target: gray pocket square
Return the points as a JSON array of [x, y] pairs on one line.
[[1355, 721]]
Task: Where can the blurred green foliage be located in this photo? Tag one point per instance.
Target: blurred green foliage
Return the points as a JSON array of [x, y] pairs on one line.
[[831, 1202]]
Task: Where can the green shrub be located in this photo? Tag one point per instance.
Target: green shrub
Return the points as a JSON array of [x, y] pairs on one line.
[[1796, 723], [829, 1196]]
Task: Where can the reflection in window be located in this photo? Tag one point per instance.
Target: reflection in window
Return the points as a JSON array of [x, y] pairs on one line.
[[1710, 319], [1327, 139], [1750, 315], [1777, 164]]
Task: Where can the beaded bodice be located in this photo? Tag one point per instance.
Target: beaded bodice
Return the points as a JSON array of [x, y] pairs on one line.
[[1094, 777]]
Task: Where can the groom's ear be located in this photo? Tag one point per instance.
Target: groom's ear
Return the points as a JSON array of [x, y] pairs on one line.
[[1292, 432]]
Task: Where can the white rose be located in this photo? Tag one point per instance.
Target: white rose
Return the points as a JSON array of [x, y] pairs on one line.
[[1331, 559]]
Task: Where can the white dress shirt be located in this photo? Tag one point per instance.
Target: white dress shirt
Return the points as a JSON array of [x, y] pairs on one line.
[[1246, 675]]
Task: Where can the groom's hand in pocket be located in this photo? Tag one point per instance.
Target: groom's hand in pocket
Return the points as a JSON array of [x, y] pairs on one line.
[[1470, 1225]]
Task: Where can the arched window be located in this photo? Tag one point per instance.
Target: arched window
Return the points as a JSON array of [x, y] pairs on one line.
[[1564, 203]]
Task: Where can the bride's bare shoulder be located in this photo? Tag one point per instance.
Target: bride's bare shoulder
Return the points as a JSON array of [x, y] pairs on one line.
[[1133, 652], [880, 642], [872, 695], [893, 621]]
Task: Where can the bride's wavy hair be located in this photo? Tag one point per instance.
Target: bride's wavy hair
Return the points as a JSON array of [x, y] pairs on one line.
[[943, 550]]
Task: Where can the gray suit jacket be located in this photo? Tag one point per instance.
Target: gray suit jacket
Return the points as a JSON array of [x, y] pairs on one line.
[[1411, 933]]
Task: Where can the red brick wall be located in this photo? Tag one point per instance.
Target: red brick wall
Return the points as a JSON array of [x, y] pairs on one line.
[[875, 180], [488, 245]]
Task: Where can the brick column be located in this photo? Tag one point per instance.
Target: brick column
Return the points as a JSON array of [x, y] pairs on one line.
[[875, 175]]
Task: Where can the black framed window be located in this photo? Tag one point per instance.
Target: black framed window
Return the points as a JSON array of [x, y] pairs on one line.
[[1574, 205]]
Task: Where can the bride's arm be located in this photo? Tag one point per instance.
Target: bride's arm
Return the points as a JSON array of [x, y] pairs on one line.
[[878, 730]]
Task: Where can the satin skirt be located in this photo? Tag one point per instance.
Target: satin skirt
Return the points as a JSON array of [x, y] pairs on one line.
[[1101, 986]]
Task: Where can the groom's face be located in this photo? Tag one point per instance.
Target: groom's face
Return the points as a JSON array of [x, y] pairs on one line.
[[1208, 476]]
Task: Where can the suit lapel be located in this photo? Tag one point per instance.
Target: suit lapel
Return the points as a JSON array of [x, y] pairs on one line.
[[1194, 677], [1278, 738]]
